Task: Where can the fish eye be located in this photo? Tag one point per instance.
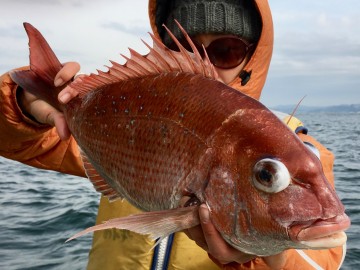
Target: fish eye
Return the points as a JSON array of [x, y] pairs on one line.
[[270, 175], [313, 149]]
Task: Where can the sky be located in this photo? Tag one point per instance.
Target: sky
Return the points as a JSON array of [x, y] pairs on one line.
[[316, 50]]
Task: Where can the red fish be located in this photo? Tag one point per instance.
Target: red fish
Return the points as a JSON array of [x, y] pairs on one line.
[[162, 127]]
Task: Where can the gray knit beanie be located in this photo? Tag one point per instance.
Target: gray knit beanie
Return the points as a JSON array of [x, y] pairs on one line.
[[235, 17]]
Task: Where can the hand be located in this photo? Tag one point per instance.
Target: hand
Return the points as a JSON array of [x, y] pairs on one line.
[[42, 111], [207, 237]]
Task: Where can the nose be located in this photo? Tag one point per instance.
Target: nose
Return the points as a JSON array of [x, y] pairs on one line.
[[330, 202]]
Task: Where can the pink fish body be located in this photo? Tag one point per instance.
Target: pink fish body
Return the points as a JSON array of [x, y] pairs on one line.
[[162, 127]]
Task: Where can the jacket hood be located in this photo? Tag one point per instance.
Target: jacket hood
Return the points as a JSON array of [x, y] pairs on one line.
[[252, 79]]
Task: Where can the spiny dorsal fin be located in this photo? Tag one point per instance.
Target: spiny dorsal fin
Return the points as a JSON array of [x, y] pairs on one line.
[[160, 59], [98, 182]]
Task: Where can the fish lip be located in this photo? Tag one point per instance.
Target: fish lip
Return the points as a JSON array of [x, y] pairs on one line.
[[330, 241], [320, 231]]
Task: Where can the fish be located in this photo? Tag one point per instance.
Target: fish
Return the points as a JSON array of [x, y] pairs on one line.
[[162, 127]]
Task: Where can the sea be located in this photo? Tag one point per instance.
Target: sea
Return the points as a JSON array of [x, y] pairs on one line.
[[40, 209]]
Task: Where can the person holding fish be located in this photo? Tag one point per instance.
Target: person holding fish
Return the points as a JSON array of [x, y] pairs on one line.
[[238, 38]]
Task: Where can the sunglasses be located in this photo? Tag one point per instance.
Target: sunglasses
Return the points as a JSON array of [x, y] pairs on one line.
[[225, 52]]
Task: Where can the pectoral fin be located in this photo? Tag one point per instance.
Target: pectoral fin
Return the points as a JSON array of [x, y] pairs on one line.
[[157, 224]]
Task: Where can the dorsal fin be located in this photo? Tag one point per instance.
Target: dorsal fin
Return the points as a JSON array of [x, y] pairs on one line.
[[160, 59]]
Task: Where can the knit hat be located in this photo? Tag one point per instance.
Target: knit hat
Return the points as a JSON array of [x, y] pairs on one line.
[[235, 17]]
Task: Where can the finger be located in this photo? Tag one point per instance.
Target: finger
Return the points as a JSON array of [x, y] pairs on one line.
[[197, 235], [57, 119], [276, 261], [42, 112], [217, 246], [66, 73], [67, 94], [61, 126], [24, 100], [213, 238]]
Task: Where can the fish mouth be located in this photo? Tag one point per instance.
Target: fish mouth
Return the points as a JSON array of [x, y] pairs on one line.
[[321, 234]]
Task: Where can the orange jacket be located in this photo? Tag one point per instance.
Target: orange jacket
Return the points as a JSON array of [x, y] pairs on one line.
[[38, 145]]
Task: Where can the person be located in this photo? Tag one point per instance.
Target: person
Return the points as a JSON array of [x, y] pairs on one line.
[[27, 134]]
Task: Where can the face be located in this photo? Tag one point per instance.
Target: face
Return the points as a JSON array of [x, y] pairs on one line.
[[225, 75], [272, 186]]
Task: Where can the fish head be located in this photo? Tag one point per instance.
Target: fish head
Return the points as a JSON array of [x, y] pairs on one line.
[[273, 189]]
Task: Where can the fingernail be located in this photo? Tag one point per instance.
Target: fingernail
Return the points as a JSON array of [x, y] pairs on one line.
[[204, 213], [58, 82], [64, 98]]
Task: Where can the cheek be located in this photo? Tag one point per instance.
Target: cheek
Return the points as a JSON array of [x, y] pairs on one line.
[[220, 197], [253, 214], [295, 204], [228, 75]]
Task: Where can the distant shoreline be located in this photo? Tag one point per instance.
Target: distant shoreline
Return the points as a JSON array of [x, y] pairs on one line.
[[349, 108]]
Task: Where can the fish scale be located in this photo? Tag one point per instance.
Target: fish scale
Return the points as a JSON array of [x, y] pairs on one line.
[[161, 128], [169, 159]]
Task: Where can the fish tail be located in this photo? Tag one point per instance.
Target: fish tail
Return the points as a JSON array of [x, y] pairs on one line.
[[44, 65]]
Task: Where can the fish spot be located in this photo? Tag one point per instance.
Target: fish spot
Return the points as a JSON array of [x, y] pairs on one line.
[[181, 115], [166, 141], [127, 111], [139, 96], [141, 108]]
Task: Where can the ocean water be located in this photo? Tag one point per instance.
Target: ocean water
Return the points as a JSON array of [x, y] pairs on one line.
[[40, 209]]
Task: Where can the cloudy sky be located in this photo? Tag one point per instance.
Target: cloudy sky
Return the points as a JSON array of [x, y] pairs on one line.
[[317, 43]]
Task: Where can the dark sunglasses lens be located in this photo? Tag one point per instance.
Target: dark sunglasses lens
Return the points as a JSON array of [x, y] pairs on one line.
[[223, 53], [227, 52]]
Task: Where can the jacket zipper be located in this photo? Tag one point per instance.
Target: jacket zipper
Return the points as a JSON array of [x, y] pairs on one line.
[[162, 254]]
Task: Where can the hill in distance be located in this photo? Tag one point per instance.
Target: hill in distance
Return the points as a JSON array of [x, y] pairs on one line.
[[346, 108]]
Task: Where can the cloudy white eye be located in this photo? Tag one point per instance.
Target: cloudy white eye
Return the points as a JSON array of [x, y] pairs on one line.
[[270, 175], [313, 149]]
